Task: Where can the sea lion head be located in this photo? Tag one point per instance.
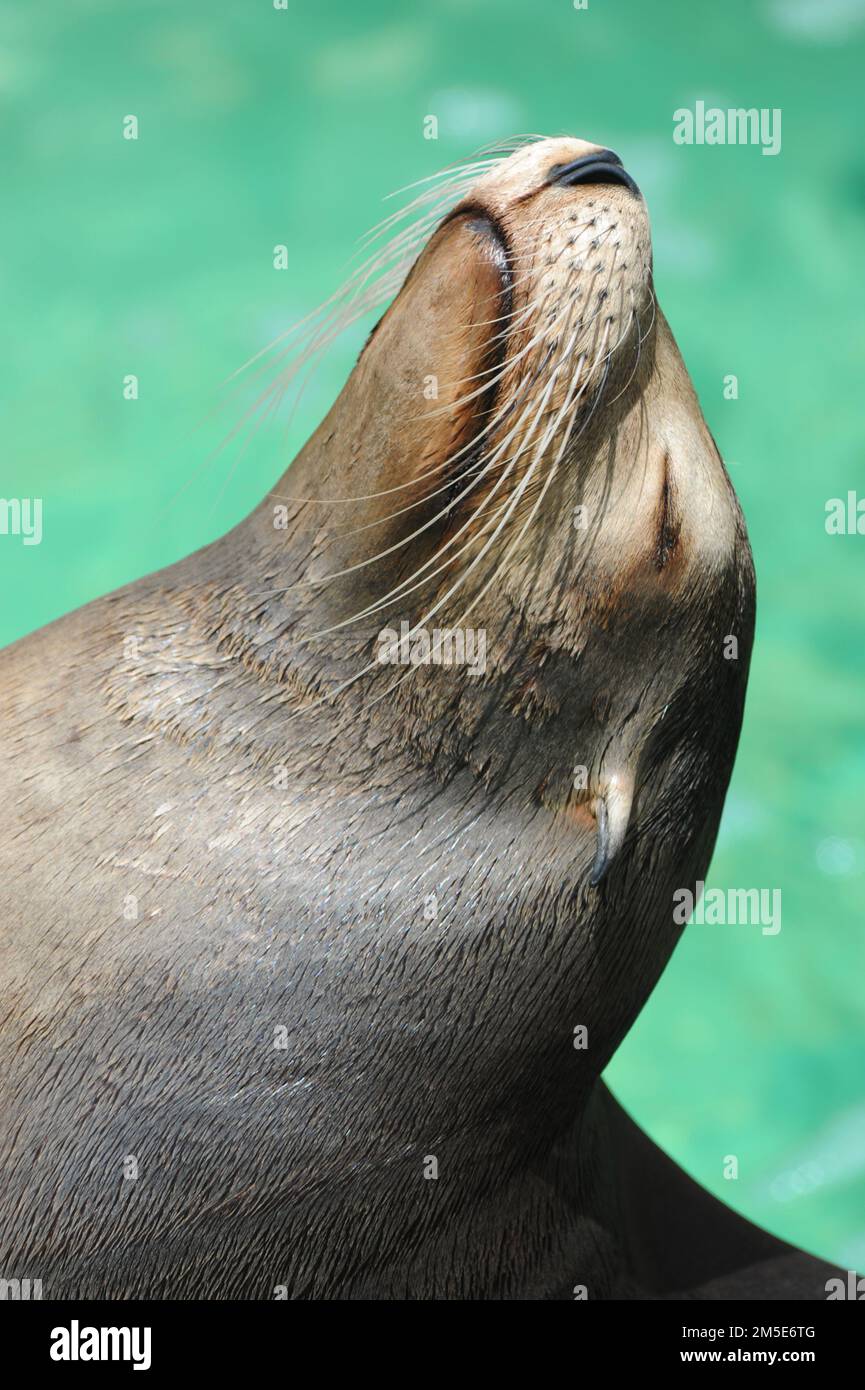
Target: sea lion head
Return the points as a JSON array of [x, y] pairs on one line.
[[512, 557]]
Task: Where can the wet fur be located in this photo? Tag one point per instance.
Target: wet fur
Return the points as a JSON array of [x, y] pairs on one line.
[[281, 823]]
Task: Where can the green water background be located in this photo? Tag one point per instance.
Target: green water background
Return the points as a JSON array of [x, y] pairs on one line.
[[260, 126]]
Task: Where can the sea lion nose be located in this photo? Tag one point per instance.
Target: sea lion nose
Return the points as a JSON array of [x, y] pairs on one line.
[[604, 166]]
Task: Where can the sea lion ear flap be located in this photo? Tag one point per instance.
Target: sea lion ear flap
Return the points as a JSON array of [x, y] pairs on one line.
[[422, 389], [612, 807]]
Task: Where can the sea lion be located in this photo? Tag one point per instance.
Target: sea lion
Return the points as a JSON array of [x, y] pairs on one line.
[[316, 941]]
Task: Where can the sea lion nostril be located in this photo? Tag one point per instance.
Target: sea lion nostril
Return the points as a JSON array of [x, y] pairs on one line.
[[602, 167]]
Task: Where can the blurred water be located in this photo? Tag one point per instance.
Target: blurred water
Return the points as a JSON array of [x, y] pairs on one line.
[[260, 126]]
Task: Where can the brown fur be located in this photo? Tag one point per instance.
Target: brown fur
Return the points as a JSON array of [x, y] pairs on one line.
[[280, 831]]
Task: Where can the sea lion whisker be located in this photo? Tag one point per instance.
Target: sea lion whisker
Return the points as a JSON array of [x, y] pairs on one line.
[[614, 349], [333, 301], [419, 576], [501, 370], [571, 394], [512, 321], [483, 158], [431, 612], [510, 407], [460, 621], [477, 477], [430, 204], [530, 257], [654, 304], [633, 318], [457, 170], [319, 341], [334, 315], [403, 248], [496, 420], [524, 313], [384, 602], [495, 372], [476, 474], [566, 412], [511, 504], [254, 411], [439, 194], [538, 501], [544, 333], [270, 400], [552, 472]]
